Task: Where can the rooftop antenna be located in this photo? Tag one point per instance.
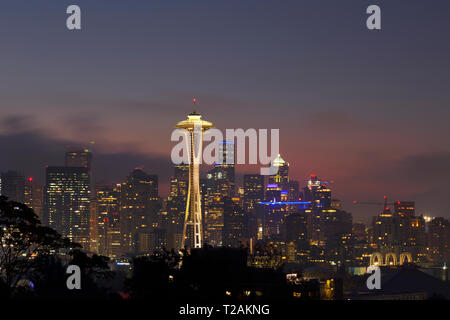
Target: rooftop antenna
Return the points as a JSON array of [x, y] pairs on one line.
[[194, 100]]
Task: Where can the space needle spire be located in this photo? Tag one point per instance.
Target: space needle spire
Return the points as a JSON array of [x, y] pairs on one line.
[[194, 127]]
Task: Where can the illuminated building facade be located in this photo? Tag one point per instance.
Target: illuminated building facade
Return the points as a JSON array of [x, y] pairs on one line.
[[176, 205], [253, 194], [281, 178], [138, 206], [400, 231], [439, 240], [405, 209], [274, 215], [223, 172], [76, 157], [107, 221], [319, 195], [33, 196], [214, 222], [67, 202]]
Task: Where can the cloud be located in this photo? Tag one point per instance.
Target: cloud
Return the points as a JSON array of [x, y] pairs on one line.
[[30, 150], [16, 123]]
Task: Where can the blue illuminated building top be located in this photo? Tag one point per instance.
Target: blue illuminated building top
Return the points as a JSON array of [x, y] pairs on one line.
[[301, 204]]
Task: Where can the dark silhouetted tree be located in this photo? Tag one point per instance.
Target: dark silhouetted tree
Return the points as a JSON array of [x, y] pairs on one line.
[[23, 240]]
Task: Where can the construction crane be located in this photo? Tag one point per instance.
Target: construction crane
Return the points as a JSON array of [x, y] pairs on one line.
[[385, 204]]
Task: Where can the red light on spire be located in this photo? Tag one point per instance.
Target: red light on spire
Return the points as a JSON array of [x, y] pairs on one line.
[[194, 100]]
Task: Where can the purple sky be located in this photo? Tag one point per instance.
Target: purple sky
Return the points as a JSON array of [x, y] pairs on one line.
[[367, 110]]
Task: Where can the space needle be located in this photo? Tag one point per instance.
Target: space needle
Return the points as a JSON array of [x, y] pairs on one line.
[[193, 225]]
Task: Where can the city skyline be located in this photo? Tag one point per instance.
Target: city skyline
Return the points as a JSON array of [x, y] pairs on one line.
[[238, 157], [364, 110]]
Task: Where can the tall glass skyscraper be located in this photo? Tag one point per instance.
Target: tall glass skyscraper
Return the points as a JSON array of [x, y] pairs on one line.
[[66, 202]]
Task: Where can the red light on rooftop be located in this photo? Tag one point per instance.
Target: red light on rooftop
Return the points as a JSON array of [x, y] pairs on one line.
[[398, 202], [30, 179], [313, 176]]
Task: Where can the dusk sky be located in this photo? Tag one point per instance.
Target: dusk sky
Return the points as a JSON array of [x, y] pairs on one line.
[[366, 110]]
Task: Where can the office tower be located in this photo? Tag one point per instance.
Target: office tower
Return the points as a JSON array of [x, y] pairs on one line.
[[415, 240], [281, 178], [273, 215], [76, 157], [253, 194], [296, 232], [273, 192], [107, 221], [439, 240], [151, 240], [12, 186], [387, 230], [175, 206], [233, 223], [337, 231], [360, 244], [192, 230], [94, 228], [33, 196], [412, 228], [139, 205], [328, 226], [406, 209], [359, 232], [319, 195], [293, 191], [214, 222], [180, 181], [317, 191], [223, 173], [66, 202], [178, 194]]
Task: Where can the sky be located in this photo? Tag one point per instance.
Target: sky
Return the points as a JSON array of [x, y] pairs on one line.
[[366, 110]]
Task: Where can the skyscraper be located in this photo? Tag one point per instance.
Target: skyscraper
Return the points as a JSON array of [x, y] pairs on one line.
[[214, 222], [66, 202], [33, 196], [253, 194], [317, 191], [107, 221], [192, 229], [281, 178], [233, 223], [139, 195], [223, 172], [76, 157], [12, 186]]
